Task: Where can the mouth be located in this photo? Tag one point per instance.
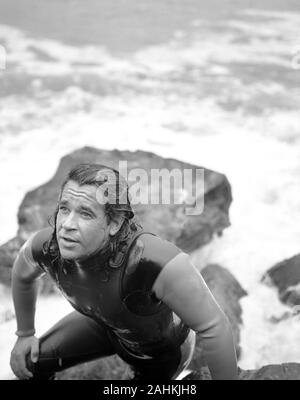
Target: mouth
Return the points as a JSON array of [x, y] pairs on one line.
[[68, 240]]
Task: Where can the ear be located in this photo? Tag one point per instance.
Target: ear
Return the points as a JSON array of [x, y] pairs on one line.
[[115, 224]]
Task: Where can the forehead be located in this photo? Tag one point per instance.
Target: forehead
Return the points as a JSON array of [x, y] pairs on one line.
[[83, 195]]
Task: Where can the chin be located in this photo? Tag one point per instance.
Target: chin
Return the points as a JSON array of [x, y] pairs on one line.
[[68, 255]]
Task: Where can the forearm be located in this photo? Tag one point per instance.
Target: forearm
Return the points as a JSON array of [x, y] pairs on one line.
[[219, 351], [24, 298]]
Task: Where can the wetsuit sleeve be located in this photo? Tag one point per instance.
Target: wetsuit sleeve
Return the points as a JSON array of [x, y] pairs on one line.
[[26, 253], [181, 286], [25, 272]]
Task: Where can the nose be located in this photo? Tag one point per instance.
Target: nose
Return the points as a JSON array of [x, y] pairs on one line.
[[69, 222]]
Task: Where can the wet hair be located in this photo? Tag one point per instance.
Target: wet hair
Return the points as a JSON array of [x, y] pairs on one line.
[[114, 195], [112, 186]]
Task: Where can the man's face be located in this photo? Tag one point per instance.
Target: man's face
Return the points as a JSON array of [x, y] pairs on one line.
[[81, 225]]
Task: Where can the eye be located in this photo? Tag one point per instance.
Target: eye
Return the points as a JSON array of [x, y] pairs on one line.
[[63, 209], [86, 214]]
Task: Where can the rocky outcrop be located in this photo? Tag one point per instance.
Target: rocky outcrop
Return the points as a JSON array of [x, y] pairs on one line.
[[169, 221], [285, 276], [114, 368], [285, 372]]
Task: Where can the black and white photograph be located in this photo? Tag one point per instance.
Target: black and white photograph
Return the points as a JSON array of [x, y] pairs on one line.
[[150, 192]]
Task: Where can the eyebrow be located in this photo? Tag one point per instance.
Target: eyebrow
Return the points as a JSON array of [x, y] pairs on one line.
[[86, 208]]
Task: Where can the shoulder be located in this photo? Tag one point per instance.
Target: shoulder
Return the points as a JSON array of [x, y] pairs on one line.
[[29, 267], [147, 256], [38, 240], [151, 249]]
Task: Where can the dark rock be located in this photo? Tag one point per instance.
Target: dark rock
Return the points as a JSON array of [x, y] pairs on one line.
[[286, 277], [113, 368], [168, 221], [283, 317], [286, 372], [109, 368]]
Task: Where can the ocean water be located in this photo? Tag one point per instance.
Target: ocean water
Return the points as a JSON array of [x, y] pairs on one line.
[[215, 85]]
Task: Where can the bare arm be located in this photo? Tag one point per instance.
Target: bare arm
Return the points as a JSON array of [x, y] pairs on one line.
[[181, 286]]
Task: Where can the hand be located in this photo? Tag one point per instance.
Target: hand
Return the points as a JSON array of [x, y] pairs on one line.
[[24, 346]]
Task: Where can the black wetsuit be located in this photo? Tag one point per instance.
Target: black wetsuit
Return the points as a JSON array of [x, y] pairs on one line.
[[116, 311]]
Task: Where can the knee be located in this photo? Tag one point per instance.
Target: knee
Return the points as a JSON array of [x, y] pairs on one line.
[[40, 369]]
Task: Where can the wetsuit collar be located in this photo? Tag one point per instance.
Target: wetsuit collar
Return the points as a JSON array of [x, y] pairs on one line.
[[97, 260]]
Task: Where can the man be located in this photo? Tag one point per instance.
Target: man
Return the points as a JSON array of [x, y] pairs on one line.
[[134, 294]]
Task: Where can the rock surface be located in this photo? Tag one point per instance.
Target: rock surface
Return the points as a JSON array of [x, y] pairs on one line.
[[285, 276], [168, 221], [113, 368], [286, 372]]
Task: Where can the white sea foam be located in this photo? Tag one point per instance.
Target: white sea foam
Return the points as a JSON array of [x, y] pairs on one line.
[[258, 151], [270, 40]]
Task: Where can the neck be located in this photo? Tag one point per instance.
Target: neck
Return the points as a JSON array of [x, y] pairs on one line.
[[99, 257], [107, 256]]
